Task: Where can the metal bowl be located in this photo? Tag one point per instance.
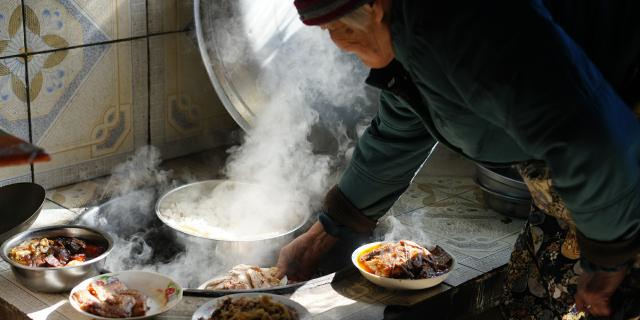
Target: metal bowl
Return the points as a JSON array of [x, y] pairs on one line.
[[261, 251], [57, 279], [18, 216], [505, 181]]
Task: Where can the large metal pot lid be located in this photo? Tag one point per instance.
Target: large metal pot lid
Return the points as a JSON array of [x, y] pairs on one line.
[[254, 50]]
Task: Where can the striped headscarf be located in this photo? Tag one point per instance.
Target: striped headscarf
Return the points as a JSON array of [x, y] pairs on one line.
[[316, 12]]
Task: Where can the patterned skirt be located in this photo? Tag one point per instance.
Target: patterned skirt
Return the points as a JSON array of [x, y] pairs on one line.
[[544, 267]]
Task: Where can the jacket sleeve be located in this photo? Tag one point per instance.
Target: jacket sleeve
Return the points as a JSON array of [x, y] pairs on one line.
[[517, 69], [386, 158]]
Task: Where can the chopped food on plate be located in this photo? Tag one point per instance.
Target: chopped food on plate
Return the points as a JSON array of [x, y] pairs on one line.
[[112, 299], [246, 308], [242, 277], [54, 252], [405, 260]]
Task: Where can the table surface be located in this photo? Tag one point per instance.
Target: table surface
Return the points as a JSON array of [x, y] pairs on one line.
[[442, 206]]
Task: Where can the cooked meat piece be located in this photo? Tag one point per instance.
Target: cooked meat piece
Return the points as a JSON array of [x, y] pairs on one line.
[[245, 276], [52, 261], [140, 307], [44, 252], [406, 260], [106, 290], [112, 299]]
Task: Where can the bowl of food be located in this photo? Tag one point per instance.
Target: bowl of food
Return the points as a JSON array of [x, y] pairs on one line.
[[18, 216], [126, 295], [251, 306], [403, 265], [56, 258]]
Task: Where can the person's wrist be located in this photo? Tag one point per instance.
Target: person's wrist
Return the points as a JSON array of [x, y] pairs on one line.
[[333, 228], [321, 236]]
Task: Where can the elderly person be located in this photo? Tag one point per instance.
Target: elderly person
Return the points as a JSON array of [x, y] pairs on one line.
[[547, 86]]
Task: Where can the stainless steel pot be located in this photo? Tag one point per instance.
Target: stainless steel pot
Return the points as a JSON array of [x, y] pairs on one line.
[[261, 251], [504, 191], [59, 279], [19, 215]]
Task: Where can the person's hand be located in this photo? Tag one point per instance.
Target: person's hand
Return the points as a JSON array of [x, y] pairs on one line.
[[299, 259], [595, 290]]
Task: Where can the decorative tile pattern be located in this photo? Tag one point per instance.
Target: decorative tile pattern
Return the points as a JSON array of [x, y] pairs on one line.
[[11, 33], [13, 115], [186, 115], [96, 116], [78, 22], [170, 15]]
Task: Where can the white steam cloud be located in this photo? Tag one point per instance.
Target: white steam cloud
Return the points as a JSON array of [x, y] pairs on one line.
[[312, 100]]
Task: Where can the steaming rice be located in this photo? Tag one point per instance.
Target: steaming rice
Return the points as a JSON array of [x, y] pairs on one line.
[[231, 211]]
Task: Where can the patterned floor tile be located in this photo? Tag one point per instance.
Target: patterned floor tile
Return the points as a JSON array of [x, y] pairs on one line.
[[463, 226], [461, 274], [489, 262], [54, 24], [91, 111], [11, 34], [448, 185], [186, 115]]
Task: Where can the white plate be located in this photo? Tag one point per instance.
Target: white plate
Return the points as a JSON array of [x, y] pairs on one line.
[[398, 284], [205, 311], [163, 292]]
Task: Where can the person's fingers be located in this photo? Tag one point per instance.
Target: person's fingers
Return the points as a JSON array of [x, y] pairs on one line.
[[283, 263], [597, 305], [580, 303]]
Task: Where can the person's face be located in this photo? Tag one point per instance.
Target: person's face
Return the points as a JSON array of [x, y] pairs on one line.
[[371, 44]]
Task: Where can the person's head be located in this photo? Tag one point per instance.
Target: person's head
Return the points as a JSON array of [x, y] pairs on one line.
[[357, 26]]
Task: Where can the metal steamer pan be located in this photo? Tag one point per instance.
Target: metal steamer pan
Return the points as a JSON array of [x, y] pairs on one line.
[[261, 251]]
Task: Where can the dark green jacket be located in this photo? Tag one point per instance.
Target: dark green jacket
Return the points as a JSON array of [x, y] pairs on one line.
[[501, 81]]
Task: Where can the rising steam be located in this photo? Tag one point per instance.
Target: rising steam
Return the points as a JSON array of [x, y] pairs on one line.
[[312, 99]]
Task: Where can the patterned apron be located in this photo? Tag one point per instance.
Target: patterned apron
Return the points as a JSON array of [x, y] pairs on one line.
[[544, 267]]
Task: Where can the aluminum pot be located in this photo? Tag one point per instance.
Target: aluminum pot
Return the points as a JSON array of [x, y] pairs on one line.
[[261, 251], [57, 279], [505, 181], [18, 216]]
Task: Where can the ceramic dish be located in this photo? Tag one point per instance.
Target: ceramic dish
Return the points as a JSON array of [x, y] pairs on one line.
[[397, 284], [205, 311], [163, 292]]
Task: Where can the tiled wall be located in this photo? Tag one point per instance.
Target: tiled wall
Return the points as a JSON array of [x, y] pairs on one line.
[[92, 80]]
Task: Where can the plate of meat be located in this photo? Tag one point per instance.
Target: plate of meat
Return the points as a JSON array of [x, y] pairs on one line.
[[126, 295], [403, 265], [245, 277], [250, 306]]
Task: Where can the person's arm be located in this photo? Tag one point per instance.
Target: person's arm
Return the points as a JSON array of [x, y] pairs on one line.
[[517, 69], [385, 160]]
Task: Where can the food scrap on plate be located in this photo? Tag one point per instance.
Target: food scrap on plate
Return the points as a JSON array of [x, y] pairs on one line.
[[112, 299]]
